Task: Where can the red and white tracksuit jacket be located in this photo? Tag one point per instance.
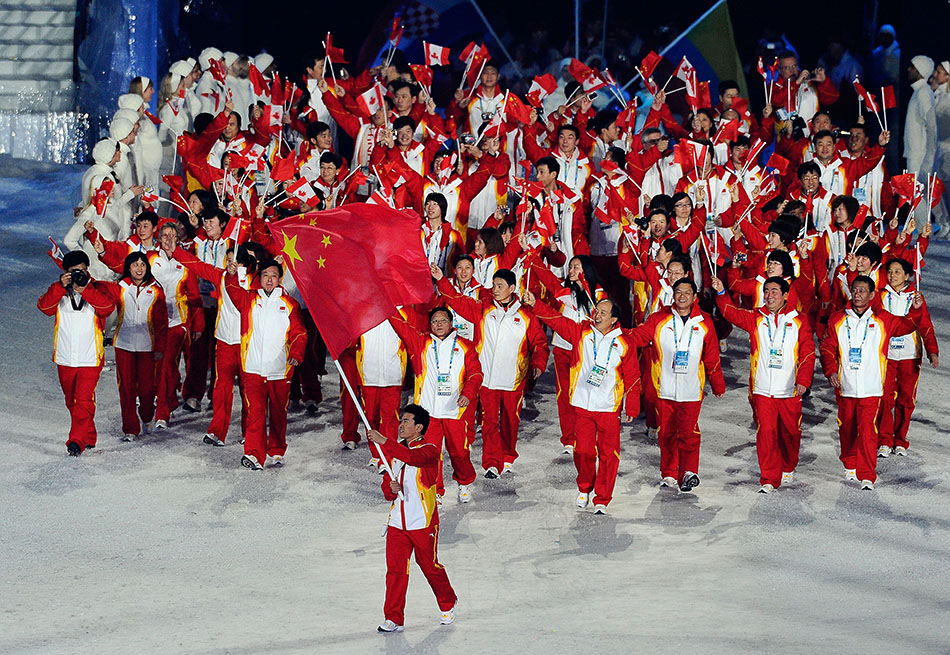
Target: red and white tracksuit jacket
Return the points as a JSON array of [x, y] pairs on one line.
[[509, 340], [444, 370], [442, 245], [855, 348], [272, 331], [783, 349], [182, 297], [616, 381], [575, 169], [381, 357], [142, 324], [910, 346], [684, 354], [415, 467], [464, 327], [77, 335]]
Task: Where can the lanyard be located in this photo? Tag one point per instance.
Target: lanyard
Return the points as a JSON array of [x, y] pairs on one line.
[[594, 339], [214, 252], [910, 299], [676, 339], [577, 170], [847, 325], [784, 332], [435, 350]]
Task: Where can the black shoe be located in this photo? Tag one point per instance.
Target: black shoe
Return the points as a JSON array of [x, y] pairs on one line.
[[74, 449], [312, 408], [491, 473], [90, 446], [690, 480], [191, 406]]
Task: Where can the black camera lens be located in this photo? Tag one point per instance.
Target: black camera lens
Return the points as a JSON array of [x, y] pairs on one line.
[[486, 115], [79, 277]]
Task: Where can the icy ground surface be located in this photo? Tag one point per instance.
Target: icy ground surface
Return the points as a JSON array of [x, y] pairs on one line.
[[166, 545]]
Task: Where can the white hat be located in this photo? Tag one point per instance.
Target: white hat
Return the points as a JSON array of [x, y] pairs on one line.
[[924, 65], [230, 57], [191, 62], [263, 60], [207, 56], [120, 127], [946, 65], [182, 68], [104, 150], [127, 114], [132, 101]]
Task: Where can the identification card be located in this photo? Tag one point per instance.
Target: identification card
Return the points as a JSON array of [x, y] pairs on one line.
[[860, 195], [681, 361], [775, 358], [443, 385], [897, 343], [854, 358], [597, 375]]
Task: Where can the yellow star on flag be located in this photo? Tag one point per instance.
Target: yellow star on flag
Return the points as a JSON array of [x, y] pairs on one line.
[[290, 250], [326, 239], [321, 262], [313, 222]]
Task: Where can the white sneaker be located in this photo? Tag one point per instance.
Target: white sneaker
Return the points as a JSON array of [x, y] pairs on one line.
[[582, 499], [212, 440], [766, 489], [600, 509], [448, 617], [900, 451], [491, 473], [867, 484], [438, 500], [788, 477], [465, 494], [884, 452], [161, 424], [128, 437], [851, 474], [568, 450], [274, 461], [507, 468], [668, 482], [349, 445], [250, 462], [689, 482], [389, 626], [652, 432]]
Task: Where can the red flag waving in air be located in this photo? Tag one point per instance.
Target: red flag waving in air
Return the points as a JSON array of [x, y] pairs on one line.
[[649, 64], [888, 99], [423, 75], [283, 169], [101, 195], [356, 263], [334, 54], [257, 80], [587, 77], [541, 87], [515, 110]]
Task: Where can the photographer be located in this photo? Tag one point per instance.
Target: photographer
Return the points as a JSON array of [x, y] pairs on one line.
[[80, 310]]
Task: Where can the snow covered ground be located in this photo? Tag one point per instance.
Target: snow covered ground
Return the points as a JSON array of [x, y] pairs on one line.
[[166, 545]]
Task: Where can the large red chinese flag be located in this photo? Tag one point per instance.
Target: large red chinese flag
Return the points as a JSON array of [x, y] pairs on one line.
[[353, 265]]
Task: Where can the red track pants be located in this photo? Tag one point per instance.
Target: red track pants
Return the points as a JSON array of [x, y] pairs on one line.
[[679, 437], [857, 432], [169, 376], [79, 391], [351, 417], [501, 414], [201, 358], [597, 453], [897, 404], [227, 366], [266, 402], [565, 410], [400, 545], [778, 438], [648, 398], [135, 375], [455, 434]]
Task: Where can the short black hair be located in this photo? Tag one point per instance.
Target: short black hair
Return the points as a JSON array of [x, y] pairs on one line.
[[404, 121], [725, 85], [133, 257], [870, 250], [865, 279], [440, 200], [149, 216], [440, 308], [821, 134], [903, 263], [419, 415], [218, 213], [673, 246], [685, 280], [263, 265], [75, 258], [465, 258], [506, 275], [331, 158], [808, 167], [315, 128], [550, 162], [569, 128], [781, 282], [783, 258], [400, 84]]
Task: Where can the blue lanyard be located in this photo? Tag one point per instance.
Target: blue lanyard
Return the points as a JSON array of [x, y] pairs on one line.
[[910, 299], [214, 252], [435, 350], [866, 325], [593, 336], [784, 332], [677, 317]]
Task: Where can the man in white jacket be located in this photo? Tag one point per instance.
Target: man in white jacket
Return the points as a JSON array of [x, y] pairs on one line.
[[920, 127]]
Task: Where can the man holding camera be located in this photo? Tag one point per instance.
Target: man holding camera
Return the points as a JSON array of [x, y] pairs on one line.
[[80, 310]]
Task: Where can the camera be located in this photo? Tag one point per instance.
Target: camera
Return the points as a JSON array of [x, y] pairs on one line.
[[740, 257], [467, 139], [79, 277], [642, 222], [841, 134], [487, 115]]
